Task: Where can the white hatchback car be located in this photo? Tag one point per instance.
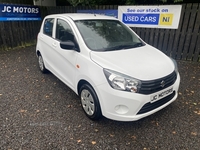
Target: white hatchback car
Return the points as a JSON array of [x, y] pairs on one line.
[[115, 73]]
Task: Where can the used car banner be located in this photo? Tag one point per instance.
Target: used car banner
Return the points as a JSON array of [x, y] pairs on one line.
[[19, 13], [165, 16]]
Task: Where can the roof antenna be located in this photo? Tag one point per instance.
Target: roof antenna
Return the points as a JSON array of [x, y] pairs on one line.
[[87, 2]]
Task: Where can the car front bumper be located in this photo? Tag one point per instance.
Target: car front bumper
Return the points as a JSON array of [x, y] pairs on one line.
[[126, 106]]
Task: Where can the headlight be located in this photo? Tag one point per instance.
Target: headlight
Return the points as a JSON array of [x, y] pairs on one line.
[[175, 65], [122, 82]]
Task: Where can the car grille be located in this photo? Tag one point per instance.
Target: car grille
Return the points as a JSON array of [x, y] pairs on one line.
[[149, 87], [151, 106]]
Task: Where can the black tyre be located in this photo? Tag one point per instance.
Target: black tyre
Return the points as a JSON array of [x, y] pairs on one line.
[[41, 64], [90, 102]]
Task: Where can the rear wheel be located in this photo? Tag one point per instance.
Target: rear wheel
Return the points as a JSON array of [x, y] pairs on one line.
[[90, 102], [41, 64]]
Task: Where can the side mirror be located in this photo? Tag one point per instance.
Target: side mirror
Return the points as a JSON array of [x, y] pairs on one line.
[[67, 45]]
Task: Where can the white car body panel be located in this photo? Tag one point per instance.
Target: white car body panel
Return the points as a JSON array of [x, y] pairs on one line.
[[153, 64]]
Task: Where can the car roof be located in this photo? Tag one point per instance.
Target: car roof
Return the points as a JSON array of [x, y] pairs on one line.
[[82, 16]]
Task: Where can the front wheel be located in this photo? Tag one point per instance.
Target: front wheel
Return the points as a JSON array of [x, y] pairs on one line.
[[90, 102]]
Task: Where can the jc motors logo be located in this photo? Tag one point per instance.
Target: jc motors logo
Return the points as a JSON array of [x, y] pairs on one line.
[[7, 9]]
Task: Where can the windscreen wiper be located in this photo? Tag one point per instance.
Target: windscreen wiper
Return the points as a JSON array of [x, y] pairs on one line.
[[120, 47]]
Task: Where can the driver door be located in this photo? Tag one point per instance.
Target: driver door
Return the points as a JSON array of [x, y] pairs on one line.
[[64, 59]]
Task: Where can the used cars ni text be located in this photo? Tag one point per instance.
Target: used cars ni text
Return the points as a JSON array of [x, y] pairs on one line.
[[115, 73]]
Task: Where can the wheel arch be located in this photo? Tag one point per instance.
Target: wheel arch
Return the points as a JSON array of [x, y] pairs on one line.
[[38, 53], [80, 83]]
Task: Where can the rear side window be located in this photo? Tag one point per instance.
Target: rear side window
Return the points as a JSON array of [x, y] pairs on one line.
[[48, 26]]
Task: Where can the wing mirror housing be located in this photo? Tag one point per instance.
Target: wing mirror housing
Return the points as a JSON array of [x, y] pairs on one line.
[[69, 45]]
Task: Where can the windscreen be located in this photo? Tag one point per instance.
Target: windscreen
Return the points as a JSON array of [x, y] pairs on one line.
[[107, 35]]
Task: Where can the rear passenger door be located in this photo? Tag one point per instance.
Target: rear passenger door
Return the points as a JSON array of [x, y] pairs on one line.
[[46, 38]]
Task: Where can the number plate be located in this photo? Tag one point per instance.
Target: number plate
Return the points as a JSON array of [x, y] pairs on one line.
[[161, 95]]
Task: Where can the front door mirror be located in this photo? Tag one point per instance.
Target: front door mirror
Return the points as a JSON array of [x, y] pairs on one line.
[[67, 45]]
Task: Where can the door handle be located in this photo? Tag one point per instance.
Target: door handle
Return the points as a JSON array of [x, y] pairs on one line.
[[54, 44]]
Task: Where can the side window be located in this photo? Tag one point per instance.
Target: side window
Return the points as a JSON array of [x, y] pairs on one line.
[[48, 26], [64, 31]]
